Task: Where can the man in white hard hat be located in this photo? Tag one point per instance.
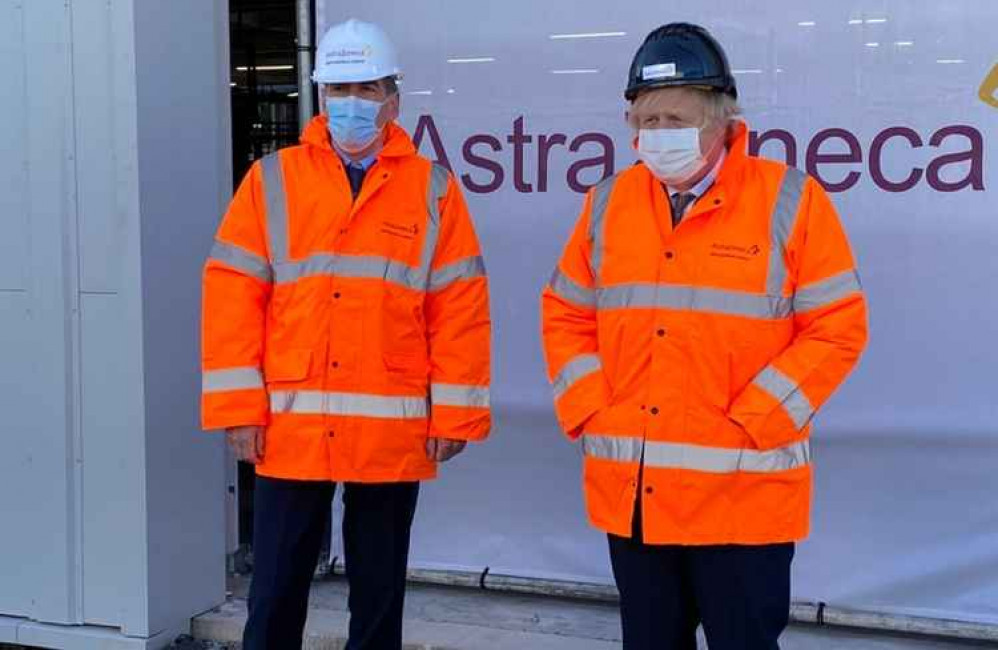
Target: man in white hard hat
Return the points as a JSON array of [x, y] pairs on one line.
[[346, 340]]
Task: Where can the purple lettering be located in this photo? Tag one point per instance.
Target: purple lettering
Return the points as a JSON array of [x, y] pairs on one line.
[[482, 163], [518, 139], [428, 126], [815, 158], [786, 137], [876, 153], [544, 145], [975, 156], [486, 172], [605, 159]]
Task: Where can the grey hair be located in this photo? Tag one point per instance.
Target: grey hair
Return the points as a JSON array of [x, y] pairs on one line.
[[719, 109], [722, 108]]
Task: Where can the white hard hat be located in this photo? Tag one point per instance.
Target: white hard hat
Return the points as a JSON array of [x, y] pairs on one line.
[[354, 52]]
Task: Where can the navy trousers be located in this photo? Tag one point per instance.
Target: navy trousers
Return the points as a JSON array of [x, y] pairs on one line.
[[741, 594], [288, 523]]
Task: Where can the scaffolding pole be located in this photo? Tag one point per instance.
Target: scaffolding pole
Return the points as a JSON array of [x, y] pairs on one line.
[[305, 101]]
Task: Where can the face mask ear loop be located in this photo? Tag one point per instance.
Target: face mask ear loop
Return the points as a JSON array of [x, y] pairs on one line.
[[321, 90], [720, 143]]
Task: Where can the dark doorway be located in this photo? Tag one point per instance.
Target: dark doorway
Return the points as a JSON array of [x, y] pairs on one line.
[[264, 85]]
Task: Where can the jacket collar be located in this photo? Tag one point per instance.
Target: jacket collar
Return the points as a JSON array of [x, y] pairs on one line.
[[398, 144]]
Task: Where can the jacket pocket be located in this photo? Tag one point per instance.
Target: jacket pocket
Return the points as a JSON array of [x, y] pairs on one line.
[[287, 365], [407, 370], [405, 363]]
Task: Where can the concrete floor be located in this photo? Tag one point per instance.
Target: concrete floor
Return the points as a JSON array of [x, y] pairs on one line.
[[460, 619]]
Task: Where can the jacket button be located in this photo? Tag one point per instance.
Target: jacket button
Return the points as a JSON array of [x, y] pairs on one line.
[[654, 410], [335, 364], [669, 255], [649, 490], [661, 332], [336, 295], [331, 434]]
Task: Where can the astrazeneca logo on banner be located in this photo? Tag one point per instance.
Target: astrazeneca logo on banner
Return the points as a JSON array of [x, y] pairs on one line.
[[490, 160], [947, 158]]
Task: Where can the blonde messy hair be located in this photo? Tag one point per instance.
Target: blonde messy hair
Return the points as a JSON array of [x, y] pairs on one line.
[[720, 109]]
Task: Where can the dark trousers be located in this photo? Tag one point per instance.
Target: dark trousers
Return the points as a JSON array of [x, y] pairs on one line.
[[741, 594], [288, 523]]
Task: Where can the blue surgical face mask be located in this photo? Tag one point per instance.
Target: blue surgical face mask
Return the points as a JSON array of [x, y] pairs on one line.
[[353, 122]]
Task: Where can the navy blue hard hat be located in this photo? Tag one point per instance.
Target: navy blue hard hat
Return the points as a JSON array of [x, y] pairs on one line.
[[680, 54]]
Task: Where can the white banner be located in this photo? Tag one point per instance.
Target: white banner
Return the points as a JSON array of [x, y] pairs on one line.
[[892, 106]]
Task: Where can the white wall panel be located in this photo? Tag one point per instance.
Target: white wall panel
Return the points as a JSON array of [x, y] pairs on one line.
[[111, 500]]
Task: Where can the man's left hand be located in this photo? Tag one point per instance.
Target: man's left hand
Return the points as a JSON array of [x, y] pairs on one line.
[[442, 449]]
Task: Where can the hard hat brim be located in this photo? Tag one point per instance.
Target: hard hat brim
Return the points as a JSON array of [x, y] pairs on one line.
[[718, 84], [359, 76]]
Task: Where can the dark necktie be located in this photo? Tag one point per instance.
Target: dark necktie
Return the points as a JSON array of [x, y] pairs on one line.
[[680, 201], [355, 174]]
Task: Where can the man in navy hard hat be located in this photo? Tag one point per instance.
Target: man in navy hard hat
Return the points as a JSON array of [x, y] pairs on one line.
[[706, 306]]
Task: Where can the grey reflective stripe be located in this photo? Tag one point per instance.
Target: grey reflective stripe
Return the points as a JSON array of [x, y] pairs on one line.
[[311, 402], [577, 368], [781, 226], [350, 266], [435, 192], [242, 260], [459, 395], [622, 449], [218, 381], [471, 267], [277, 207], [828, 291], [786, 391], [568, 289], [700, 299], [716, 460], [597, 223]]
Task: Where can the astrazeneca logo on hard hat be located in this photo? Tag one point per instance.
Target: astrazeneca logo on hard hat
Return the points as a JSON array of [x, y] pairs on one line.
[[349, 55]]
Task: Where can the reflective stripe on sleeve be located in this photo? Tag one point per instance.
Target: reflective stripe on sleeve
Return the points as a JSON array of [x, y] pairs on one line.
[[242, 260], [568, 289], [470, 267], [788, 393], [826, 292], [459, 395], [577, 368], [218, 381]]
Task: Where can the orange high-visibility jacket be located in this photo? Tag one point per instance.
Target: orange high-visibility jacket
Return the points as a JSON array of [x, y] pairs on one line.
[[701, 354], [353, 330]]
